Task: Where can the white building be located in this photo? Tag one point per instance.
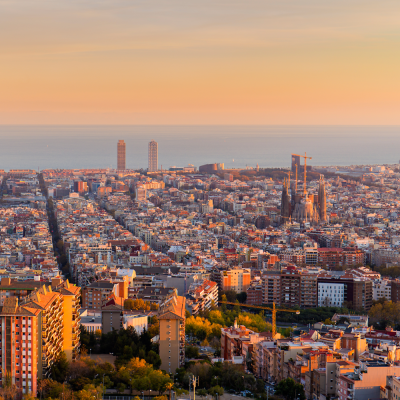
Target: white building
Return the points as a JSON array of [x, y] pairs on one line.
[[381, 288], [137, 322], [91, 321], [330, 294]]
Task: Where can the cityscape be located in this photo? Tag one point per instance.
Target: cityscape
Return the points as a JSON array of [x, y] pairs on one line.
[[228, 282], [199, 200]]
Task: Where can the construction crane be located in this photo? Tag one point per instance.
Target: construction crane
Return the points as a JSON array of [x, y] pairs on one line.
[[305, 169], [273, 309]]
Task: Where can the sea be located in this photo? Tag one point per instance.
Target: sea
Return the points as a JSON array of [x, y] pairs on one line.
[[91, 146]]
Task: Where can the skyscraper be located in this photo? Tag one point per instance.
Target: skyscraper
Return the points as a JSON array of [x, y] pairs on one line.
[[295, 161], [153, 156], [322, 200], [285, 203], [121, 155]]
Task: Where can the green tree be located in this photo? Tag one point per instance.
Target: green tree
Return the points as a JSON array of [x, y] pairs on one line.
[[260, 386], [343, 320], [202, 393], [192, 352], [154, 359], [59, 369], [242, 297], [290, 389], [121, 387], [216, 390]]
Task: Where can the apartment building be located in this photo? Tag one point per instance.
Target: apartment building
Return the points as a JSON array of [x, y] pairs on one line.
[[154, 295], [235, 341], [366, 380], [271, 287], [255, 293], [51, 326], [333, 371], [71, 295], [381, 288], [16, 288], [172, 317], [333, 257], [237, 279], [96, 293], [112, 313], [355, 291], [201, 296], [20, 345]]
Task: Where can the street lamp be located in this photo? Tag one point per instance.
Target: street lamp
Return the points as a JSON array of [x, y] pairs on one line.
[[143, 395]]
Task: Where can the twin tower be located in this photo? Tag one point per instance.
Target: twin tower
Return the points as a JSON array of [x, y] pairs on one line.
[[153, 156]]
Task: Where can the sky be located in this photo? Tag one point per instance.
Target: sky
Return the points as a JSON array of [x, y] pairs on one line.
[[200, 62]]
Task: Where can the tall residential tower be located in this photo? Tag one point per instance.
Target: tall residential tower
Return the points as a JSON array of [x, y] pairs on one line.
[[153, 156], [121, 152]]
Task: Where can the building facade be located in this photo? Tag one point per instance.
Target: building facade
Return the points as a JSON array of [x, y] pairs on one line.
[[121, 155], [153, 156], [172, 334]]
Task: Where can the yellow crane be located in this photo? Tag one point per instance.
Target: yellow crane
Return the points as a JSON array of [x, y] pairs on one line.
[[273, 309]]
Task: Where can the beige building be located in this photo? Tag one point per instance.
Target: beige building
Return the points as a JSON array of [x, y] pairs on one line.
[[366, 380], [172, 334], [237, 279]]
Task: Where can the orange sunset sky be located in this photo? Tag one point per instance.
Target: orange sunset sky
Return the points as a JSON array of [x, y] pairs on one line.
[[199, 62]]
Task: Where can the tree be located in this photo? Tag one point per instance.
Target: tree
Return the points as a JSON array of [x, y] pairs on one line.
[[154, 359], [216, 390], [343, 321], [223, 298], [290, 389], [202, 392], [242, 297], [28, 396], [8, 390], [42, 385], [192, 352], [89, 392], [54, 389], [59, 369], [260, 386], [121, 387], [385, 314], [169, 386]]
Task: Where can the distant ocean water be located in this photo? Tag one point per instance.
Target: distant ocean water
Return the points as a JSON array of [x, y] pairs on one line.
[[91, 146]]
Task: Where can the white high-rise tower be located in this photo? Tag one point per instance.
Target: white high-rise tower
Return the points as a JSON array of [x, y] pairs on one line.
[[153, 156]]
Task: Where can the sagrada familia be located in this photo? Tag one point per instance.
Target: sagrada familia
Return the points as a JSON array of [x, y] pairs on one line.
[[302, 206]]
